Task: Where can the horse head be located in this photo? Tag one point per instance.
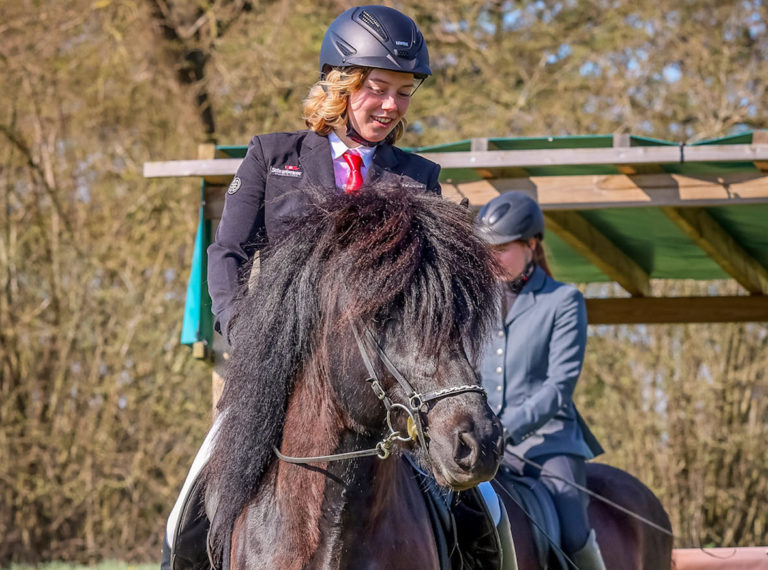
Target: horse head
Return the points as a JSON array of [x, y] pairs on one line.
[[407, 277]]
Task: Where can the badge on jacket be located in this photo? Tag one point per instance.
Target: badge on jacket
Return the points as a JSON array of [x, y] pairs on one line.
[[234, 185], [289, 170]]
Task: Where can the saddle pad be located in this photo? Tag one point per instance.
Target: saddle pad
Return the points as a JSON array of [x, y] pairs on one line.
[[464, 530], [438, 503], [536, 502]]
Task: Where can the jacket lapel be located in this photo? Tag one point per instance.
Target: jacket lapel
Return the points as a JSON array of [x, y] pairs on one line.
[[316, 162], [383, 165], [527, 297]]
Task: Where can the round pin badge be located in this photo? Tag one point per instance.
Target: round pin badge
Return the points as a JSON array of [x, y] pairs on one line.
[[235, 185]]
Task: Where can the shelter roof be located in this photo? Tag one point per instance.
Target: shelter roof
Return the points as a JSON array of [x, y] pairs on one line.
[[619, 208]]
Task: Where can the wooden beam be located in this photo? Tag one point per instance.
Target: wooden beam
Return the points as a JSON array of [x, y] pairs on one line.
[[450, 192], [515, 158], [724, 152], [761, 137], [624, 140], [479, 193], [658, 310], [620, 191], [222, 167], [585, 239], [710, 236], [588, 192], [554, 157], [600, 156]]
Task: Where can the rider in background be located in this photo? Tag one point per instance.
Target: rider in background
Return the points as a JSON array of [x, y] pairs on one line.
[[531, 365]]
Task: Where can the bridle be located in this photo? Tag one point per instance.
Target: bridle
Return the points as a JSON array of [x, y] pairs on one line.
[[414, 406]]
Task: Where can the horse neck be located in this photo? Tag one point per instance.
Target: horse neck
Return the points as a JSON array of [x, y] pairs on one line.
[[330, 516]]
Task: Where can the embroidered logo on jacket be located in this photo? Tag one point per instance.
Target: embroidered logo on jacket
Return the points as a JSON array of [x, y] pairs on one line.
[[235, 185], [289, 170]]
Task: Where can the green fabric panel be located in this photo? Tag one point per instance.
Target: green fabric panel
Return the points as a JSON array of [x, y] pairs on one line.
[[748, 224], [654, 243], [198, 319], [648, 141], [233, 151], [459, 175], [572, 170], [544, 143], [568, 265], [458, 146], [741, 138]]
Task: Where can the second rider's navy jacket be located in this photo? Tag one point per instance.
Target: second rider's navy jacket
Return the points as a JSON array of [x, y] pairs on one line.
[[530, 368], [267, 190]]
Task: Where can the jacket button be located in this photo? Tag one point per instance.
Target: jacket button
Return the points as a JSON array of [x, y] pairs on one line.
[[498, 370], [501, 333], [498, 388], [498, 407], [499, 351]]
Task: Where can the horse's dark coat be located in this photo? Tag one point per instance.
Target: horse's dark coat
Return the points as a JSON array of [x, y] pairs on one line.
[[626, 543]]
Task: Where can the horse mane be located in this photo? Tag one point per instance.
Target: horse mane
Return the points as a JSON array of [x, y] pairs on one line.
[[410, 259]]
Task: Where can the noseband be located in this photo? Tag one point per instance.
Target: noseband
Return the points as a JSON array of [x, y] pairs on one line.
[[415, 404]]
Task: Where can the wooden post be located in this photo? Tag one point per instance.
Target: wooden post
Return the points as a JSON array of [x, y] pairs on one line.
[[218, 353]]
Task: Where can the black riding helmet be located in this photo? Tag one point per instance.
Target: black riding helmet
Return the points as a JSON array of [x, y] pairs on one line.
[[511, 216], [375, 36]]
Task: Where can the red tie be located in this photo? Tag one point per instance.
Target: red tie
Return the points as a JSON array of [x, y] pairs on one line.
[[355, 178]]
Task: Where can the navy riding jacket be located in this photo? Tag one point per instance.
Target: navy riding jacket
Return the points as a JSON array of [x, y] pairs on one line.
[[267, 191]]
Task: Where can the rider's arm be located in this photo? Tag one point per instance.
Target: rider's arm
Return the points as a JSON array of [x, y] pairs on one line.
[[566, 355], [240, 231]]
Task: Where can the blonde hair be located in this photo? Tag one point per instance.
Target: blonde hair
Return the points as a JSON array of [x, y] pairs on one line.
[[325, 108]]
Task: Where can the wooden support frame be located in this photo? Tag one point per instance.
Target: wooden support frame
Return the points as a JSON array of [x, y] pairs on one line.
[[585, 239], [699, 225], [642, 182], [761, 137], [622, 191], [600, 156], [667, 310], [623, 140]]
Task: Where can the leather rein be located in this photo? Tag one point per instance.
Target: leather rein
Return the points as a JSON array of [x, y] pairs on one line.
[[415, 405]]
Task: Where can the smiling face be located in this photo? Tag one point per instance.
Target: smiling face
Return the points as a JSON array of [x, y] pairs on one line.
[[382, 101]]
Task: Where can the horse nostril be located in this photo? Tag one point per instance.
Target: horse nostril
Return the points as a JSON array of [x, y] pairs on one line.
[[466, 450]]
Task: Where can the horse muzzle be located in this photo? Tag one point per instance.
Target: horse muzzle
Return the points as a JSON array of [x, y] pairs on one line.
[[464, 449]]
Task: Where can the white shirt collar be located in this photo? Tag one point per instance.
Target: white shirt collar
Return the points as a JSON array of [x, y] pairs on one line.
[[338, 148]]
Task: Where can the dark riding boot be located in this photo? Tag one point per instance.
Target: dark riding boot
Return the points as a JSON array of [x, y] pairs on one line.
[[589, 557]]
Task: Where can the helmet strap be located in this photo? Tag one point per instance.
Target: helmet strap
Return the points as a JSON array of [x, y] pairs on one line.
[[517, 284], [353, 135], [419, 83]]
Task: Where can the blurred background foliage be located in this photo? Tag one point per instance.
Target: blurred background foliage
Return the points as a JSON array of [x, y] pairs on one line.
[[102, 409]]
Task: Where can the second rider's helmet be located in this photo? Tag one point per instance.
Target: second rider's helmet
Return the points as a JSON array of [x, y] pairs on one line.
[[512, 216], [375, 36]]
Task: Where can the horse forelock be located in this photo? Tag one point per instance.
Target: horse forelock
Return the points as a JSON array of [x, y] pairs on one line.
[[382, 255], [411, 259]]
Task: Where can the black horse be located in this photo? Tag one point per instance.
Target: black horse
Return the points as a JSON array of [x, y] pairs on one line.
[[357, 336]]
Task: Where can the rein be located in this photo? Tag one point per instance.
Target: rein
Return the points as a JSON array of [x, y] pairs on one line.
[[415, 405], [547, 473]]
